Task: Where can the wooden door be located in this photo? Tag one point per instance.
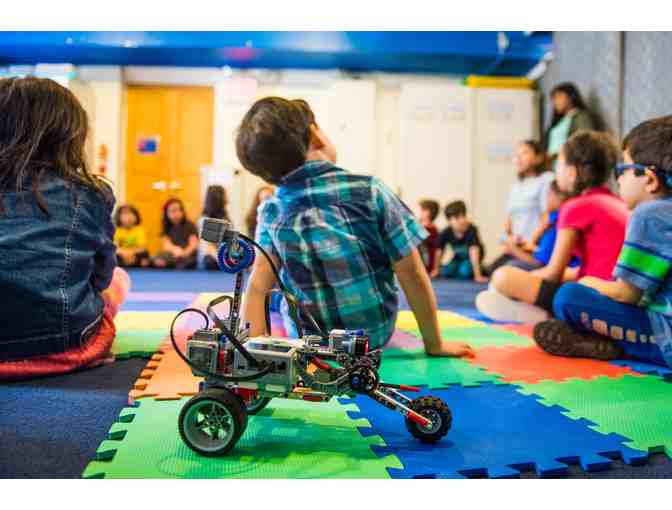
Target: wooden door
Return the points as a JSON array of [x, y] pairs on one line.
[[169, 139]]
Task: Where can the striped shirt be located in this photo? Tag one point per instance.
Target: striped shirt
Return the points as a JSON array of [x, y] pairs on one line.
[[337, 236], [646, 262]]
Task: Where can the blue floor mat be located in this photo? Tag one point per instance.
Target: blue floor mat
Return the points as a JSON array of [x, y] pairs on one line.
[[51, 428], [155, 280], [496, 433], [154, 306]]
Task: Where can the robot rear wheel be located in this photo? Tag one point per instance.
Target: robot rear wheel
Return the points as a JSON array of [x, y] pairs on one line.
[[212, 422], [256, 405], [436, 410]]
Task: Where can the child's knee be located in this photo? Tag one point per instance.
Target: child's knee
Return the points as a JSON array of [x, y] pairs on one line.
[[465, 271], [567, 298], [502, 278]]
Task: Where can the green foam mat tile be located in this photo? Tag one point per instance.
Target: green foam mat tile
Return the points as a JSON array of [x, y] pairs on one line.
[[137, 343], [288, 439], [639, 408], [415, 368], [480, 336], [485, 337]]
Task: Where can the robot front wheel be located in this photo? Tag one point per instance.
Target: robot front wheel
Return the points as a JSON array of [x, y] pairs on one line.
[[436, 410], [212, 422]]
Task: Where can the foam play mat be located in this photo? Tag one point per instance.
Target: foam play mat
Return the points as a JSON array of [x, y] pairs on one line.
[[514, 409]]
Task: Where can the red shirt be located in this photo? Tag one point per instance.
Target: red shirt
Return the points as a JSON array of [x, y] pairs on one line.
[[600, 217], [430, 246]]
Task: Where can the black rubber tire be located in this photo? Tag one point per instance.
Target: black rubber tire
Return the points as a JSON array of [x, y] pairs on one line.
[[257, 405], [431, 407], [237, 413]]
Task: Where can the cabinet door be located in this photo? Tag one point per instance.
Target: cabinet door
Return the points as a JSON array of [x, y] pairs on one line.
[[169, 138]]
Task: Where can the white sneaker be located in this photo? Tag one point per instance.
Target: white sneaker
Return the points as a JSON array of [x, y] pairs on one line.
[[498, 307]]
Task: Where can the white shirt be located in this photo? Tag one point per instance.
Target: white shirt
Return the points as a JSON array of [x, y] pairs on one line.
[[527, 203]]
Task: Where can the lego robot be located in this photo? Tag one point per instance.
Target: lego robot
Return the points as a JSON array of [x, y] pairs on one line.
[[242, 374]]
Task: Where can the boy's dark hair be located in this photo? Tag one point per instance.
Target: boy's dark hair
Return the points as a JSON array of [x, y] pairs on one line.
[[215, 203], [650, 144], [594, 154], [274, 137], [43, 128], [165, 221], [129, 208], [432, 206], [455, 209]]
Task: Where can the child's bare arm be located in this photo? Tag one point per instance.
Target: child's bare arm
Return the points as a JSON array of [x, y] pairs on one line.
[[619, 290], [420, 295], [475, 259], [254, 305], [562, 254]]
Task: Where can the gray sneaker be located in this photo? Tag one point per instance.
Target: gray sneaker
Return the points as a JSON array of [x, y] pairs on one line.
[[557, 338]]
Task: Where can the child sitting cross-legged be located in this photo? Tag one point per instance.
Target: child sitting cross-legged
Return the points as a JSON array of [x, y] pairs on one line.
[[130, 238], [631, 315], [339, 238], [462, 237], [591, 225]]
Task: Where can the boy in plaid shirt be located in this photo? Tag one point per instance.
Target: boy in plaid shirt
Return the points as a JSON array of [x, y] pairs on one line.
[[338, 238]]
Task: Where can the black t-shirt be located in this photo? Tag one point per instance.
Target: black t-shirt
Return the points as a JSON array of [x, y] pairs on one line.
[[179, 234], [461, 245]]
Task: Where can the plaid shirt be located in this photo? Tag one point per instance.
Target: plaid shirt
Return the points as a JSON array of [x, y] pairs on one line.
[[338, 235]]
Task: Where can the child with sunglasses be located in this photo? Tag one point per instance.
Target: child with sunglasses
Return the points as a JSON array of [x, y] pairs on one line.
[[631, 315]]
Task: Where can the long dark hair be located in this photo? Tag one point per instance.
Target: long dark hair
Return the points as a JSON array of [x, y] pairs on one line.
[[43, 128], [215, 203], [165, 221], [129, 208], [574, 96], [251, 216], [594, 154]]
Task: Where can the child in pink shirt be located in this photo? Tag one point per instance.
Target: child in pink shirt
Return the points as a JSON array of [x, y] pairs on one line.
[[591, 225]]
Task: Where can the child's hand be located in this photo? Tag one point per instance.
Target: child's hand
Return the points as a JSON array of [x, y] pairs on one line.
[[481, 279], [434, 273], [452, 349]]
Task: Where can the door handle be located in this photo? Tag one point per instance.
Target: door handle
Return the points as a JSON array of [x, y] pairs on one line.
[[159, 186], [175, 185]]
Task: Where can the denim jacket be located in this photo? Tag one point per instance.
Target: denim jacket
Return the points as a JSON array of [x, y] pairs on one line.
[[53, 267]]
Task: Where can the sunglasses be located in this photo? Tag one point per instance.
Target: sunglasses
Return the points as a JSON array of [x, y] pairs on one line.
[[640, 170]]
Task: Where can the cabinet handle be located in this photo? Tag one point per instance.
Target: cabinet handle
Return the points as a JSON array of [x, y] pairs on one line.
[[159, 185]]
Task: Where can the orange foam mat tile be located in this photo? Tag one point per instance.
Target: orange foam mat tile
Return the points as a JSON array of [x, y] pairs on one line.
[[532, 365], [166, 377]]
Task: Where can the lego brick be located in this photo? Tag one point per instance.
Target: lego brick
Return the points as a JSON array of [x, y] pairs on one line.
[[414, 367], [288, 439], [635, 407], [496, 432], [531, 365]]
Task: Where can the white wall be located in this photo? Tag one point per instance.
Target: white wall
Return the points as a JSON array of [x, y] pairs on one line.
[[100, 89], [425, 136], [502, 119]]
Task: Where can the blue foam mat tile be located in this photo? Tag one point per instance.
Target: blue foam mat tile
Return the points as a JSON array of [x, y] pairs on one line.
[[153, 306], [497, 432], [644, 368]]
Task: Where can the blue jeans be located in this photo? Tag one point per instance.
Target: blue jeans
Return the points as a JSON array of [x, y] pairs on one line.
[[458, 268], [586, 310]]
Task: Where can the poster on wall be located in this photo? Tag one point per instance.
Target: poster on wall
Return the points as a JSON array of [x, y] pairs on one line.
[[148, 144]]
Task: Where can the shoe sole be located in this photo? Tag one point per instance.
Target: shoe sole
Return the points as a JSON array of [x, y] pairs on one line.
[[557, 338]]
